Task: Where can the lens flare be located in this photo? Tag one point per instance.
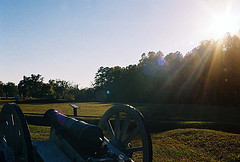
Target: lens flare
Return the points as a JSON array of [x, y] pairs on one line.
[[161, 61], [152, 68]]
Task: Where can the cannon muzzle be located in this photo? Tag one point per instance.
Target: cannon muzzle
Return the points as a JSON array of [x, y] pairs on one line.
[[83, 137]]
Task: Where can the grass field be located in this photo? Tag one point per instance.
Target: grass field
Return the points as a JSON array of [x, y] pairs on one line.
[[169, 142], [181, 144], [159, 117], [164, 112], [87, 109], [196, 145]]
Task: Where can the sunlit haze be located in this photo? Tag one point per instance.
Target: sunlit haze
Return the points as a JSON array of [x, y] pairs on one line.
[[224, 22], [70, 40]]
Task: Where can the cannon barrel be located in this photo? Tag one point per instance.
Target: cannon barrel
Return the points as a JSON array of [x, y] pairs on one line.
[[83, 137]]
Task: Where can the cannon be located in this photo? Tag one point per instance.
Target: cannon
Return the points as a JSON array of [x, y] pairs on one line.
[[121, 135]]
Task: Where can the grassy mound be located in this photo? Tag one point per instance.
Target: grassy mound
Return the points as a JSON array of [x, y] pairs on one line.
[[196, 145], [181, 144]]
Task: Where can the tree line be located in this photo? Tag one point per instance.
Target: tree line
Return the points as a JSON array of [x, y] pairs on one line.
[[34, 87], [208, 74]]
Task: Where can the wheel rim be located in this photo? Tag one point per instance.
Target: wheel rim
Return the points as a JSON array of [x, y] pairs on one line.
[[123, 124], [16, 132]]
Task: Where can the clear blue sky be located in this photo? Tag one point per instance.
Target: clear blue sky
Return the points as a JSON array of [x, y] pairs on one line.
[[71, 39]]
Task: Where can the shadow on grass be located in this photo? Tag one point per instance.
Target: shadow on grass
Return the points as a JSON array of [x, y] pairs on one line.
[[188, 112], [154, 126]]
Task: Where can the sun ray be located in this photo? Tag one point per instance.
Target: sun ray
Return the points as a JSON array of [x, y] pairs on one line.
[[218, 48], [196, 69], [221, 21]]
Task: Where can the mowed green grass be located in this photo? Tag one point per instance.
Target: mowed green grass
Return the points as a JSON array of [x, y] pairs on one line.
[[163, 112], [173, 145], [86, 109], [181, 144], [160, 117], [39, 133], [189, 112], [196, 145]]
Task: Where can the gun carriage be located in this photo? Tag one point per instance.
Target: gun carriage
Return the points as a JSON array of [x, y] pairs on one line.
[[74, 140]]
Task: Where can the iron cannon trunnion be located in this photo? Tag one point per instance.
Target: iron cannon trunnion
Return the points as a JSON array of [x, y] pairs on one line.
[[72, 140]]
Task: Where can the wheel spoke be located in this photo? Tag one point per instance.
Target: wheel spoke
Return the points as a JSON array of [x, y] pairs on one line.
[[125, 128], [2, 128], [134, 149], [16, 132], [129, 124], [131, 136], [117, 126], [110, 130], [10, 121], [12, 135], [10, 128]]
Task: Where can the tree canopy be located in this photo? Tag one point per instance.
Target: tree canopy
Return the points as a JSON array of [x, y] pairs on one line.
[[208, 74]]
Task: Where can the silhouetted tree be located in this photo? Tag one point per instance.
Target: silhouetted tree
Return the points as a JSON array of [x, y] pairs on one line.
[[1, 89], [46, 91], [209, 74], [10, 89], [31, 86], [63, 89]]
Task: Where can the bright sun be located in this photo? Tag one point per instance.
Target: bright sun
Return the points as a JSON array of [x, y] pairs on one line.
[[222, 24]]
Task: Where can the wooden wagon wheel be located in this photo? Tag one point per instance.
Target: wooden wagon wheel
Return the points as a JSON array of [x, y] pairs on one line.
[[15, 132], [121, 124]]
